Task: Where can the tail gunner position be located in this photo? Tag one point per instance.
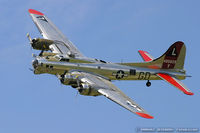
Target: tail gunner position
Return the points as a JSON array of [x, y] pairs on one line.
[[92, 77]]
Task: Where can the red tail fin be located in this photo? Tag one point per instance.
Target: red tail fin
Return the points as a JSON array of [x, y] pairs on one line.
[[171, 56]]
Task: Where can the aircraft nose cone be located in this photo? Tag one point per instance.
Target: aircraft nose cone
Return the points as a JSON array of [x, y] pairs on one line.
[[35, 63]]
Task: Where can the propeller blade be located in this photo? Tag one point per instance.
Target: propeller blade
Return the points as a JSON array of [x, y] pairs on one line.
[[31, 69], [76, 94], [34, 55], [59, 76], [41, 53], [29, 37], [30, 40]]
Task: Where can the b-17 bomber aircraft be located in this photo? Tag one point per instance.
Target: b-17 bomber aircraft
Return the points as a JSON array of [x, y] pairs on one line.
[[92, 77]]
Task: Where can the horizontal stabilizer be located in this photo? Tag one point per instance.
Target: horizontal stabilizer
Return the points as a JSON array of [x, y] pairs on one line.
[[175, 82], [145, 56]]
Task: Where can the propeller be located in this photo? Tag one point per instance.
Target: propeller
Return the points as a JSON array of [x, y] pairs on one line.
[[61, 77], [31, 41]]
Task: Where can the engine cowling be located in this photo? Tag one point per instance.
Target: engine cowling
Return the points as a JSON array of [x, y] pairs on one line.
[[86, 89], [41, 44], [68, 79]]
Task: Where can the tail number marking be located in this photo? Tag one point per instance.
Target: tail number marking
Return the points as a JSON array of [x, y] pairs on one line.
[[144, 76]]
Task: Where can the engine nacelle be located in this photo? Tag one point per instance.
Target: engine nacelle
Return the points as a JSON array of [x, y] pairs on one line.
[[86, 89], [68, 79], [41, 44], [81, 84]]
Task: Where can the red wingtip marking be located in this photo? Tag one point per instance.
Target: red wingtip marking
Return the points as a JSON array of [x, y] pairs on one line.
[[189, 93], [32, 11], [145, 115]]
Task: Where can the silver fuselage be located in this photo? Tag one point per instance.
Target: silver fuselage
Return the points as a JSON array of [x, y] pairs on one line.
[[111, 71]]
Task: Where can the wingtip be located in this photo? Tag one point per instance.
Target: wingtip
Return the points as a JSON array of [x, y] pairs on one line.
[[189, 93], [32, 11], [144, 115]]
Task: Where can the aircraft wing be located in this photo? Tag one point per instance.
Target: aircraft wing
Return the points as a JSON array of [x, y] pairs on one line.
[[49, 31], [170, 79], [109, 90]]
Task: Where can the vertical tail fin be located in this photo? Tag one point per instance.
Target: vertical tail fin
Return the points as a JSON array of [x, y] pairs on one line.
[[173, 58]]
